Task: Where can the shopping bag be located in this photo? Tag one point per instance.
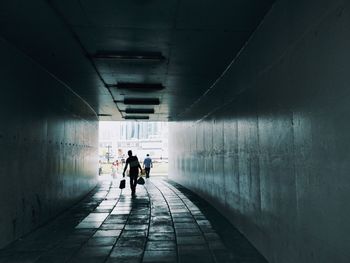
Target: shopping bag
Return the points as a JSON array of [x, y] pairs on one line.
[[140, 180], [143, 172], [122, 184]]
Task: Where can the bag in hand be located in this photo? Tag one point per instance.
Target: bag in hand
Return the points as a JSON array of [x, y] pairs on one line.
[[122, 184], [141, 180]]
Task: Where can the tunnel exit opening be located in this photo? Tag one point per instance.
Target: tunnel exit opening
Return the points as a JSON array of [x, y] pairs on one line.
[[144, 139]]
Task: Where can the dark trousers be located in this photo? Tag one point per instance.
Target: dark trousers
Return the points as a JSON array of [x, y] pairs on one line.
[[133, 182], [147, 170]]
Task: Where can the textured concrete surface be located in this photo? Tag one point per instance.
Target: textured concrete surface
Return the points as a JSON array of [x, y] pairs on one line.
[[163, 223], [197, 39], [269, 143], [48, 145]]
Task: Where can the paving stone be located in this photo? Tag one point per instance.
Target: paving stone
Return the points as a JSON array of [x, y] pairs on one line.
[[96, 217], [196, 256], [134, 233], [122, 209], [138, 216], [182, 215], [177, 211], [126, 252], [103, 210], [186, 225], [161, 219], [131, 242], [160, 214], [189, 248], [160, 208], [113, 217], [117, 222], [188, 232], [161, 223], [107, 233], [112, 226], [108, 203], [160, 256], [140, 212], [179, 205], [161, 229], [190, 240], [138, 221], [161, 245], [124, 212], [102, 241], [183, 220], [89, 225], [136, 227], [161, 236]]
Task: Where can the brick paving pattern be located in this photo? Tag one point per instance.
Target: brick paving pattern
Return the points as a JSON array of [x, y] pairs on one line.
[[163, 223]]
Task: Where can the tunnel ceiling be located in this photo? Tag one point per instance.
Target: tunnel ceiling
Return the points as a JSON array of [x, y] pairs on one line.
[[142, 51]]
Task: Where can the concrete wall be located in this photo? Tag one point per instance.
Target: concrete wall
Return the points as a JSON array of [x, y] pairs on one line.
[[269, 144], [48, 145]]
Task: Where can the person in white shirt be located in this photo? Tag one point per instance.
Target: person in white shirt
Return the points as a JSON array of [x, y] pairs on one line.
[[147, 165]]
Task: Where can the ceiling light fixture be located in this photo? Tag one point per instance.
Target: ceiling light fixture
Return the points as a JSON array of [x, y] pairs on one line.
[[129, 55], [138, 86], [136, 117], [140, 111], [141, 101]]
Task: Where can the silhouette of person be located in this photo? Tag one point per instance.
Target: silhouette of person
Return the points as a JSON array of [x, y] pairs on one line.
[[99, 167], [134, 164], [147, 164]]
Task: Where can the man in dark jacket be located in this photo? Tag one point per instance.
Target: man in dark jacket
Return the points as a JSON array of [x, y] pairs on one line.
[[134, 164]]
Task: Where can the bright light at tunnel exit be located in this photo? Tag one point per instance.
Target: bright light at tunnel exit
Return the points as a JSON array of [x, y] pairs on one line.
[[142, 138]]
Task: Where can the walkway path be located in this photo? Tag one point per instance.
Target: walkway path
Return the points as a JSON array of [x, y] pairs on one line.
[[163, 223]]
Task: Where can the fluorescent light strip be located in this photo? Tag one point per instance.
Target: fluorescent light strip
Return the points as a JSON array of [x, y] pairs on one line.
[[141, 101], [139, 86], [136, 117], [126, 55], [140, 111]]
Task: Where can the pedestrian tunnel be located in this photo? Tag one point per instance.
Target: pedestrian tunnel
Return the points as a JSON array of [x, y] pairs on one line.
[[254, 95]]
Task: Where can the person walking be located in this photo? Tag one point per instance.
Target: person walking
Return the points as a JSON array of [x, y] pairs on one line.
[[114, 169], [147, 165], [99, 167], [134, 167]]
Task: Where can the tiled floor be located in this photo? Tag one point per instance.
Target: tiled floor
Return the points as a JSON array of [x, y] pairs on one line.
[[163, 223]]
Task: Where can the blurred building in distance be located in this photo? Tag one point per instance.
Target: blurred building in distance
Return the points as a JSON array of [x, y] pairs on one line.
[[116, 138]]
